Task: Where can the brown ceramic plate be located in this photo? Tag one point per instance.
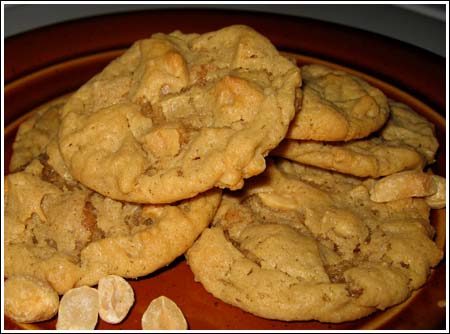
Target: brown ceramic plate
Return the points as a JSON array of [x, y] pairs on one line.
[[46, 63]]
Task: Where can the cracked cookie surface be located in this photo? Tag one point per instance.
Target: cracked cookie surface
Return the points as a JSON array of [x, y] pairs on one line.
[[406, 142], [301, 243], [179, 114], [337, 106]]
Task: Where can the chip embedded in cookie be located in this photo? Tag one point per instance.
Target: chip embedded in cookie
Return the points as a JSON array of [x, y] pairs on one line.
[[337, 106], [301, 243], [179, 114], [406, 142]]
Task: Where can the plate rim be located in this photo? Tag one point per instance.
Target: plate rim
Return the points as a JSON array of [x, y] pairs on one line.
[[376, 320], [413, 56]]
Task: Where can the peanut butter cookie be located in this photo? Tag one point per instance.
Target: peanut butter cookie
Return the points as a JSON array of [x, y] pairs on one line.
[[301, 243], [64, 233], [337, 106], [406, 142], [179, 114]]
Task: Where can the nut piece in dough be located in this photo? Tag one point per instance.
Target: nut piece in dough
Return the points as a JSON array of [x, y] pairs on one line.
[[403, 185], [29, 299], [438, 199], [163, 313], [116, 297], [78, 309]]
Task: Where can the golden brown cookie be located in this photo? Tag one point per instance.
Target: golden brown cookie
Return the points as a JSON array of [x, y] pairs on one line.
[[179, 114], [406, 142], [70, 236], [301, 243], [35, 133], [407, 127], [337, 106]]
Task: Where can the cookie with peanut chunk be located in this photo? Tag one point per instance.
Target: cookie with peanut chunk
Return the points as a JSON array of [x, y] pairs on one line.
[[61, 232], [337, 106], [406, 142], [303, 243], [178, 114]]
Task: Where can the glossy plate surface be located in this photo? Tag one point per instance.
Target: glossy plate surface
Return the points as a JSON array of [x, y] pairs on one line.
[[66, 55]]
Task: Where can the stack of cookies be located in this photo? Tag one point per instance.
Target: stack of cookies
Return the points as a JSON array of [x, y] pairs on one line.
[[295, 194]]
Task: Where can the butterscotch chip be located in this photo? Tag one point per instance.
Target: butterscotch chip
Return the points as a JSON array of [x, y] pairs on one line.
[[337, 106], [179, 114], [302, 243], [163, 314], [406, 142], [28, 299], [116, 297], [78, 309]]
